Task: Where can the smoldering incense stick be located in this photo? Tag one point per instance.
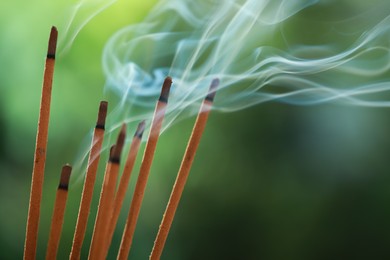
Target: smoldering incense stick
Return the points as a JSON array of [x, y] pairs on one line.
[[58, 214], [40, 151], [93, 248], [124, 182], [146, 163], [110, 196], [98, 243], [89, 182], [184, 170]]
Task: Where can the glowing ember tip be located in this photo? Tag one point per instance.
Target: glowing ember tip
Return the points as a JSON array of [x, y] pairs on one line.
[[51, 51], [165, 89], [213, 89], [65, 176]]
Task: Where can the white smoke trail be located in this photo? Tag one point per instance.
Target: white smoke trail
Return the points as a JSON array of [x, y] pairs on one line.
[[195, 41], [234, 40], [79, 16]]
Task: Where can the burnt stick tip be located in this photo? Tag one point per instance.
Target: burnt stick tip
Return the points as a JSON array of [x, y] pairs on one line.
[[213, 89], [101, 121], [51, 50], [112, 150], [65, 176], [112, 158], [140, 129], [116, 153], [165, 89]]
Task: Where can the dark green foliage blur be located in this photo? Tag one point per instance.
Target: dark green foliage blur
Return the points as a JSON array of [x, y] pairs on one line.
[[270, 182]]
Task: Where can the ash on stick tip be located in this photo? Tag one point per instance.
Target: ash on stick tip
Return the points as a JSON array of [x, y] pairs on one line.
[[140, 129], [101, 121], [165, 89], [213, 89], [116, 153], [65, 177], [51, 51]]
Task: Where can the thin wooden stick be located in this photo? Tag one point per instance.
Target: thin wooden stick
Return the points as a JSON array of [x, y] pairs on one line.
[[30, 245], [92, 249], [128, 233], [124, 182], [183, 173], [106, 201], [58, 214], [89, 182]]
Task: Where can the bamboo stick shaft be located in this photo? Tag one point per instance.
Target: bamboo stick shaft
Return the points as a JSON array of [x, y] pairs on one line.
[[40, 152], [139, 191], [183, 173], [124, 182], [58, 214], [98, 251], [93, 250], [89, 182], [98, 243]]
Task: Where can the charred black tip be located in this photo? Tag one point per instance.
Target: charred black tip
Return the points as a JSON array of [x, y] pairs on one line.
[[165, 90], [52, 46], [101, 121], [65, 177], [140, 130], [213, 90]]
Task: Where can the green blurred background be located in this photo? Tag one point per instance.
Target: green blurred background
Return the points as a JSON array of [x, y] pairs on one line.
[[269, 182]]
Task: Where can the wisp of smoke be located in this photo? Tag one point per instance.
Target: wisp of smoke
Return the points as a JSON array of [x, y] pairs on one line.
[[246, 44], [196, 41], [79, 16]]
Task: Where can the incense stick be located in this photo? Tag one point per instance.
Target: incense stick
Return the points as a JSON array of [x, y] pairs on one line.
[[147, 159], [40, 151], [124, 182], [98, 243], [183, 172], [93, 248], [58, 214], [89, 182]]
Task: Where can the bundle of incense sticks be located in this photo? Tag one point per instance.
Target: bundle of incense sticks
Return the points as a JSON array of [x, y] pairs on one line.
[[112, 193]]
